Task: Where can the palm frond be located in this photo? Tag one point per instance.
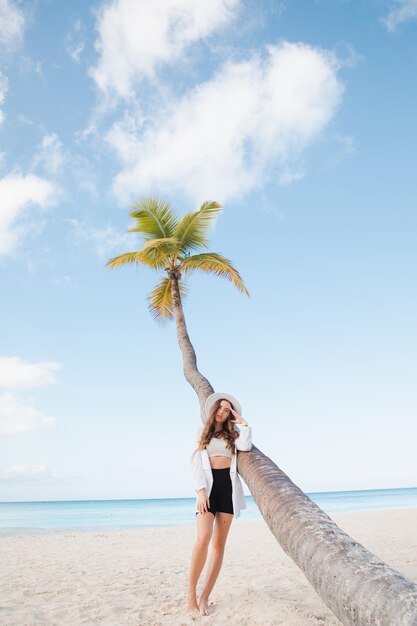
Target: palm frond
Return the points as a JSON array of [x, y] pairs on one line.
[[160, 300], [159, 252], [214, 264], [192, 228], [154, 218], [155, 253], [125, 258]]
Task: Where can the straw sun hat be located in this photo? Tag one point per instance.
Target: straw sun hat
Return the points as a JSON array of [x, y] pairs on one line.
[[220, 395]]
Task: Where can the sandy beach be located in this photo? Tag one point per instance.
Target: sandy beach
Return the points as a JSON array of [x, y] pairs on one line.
[[140, 577]]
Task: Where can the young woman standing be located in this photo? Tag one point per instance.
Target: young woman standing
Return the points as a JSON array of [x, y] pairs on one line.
[[220, 493]]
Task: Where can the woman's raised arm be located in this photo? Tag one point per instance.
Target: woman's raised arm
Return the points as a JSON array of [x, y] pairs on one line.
[[244, 441]]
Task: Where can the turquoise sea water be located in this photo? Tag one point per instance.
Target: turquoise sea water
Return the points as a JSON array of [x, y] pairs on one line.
[[35, 518]]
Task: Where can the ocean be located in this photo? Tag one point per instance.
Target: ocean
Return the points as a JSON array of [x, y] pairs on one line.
[[38, 518]]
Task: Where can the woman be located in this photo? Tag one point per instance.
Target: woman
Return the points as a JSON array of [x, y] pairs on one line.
[[220, 492]]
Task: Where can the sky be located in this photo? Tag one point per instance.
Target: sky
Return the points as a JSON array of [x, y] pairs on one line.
[[299, 118]]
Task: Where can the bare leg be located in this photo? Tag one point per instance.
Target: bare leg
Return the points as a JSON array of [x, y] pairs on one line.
[[199, 556], [221, 530]]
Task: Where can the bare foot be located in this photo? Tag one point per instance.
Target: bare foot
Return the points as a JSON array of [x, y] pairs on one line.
[[192, 602], [203, 605]]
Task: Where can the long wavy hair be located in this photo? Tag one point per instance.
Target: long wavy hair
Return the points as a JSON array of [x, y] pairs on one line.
[[228, 433]]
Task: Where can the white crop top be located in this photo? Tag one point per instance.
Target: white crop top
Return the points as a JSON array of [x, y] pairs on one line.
[[217, 447]]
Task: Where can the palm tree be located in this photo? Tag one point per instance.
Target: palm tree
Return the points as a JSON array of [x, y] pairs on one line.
[[168, 246], [358, 587]]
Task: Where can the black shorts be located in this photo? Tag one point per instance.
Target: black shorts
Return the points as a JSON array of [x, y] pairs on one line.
[[221, 492]]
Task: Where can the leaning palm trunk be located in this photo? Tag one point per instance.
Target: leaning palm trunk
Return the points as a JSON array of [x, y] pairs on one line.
[[359, 588], [198, 382]]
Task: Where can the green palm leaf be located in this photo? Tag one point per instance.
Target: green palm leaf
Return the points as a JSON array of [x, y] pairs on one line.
[[155, 253], [127, 258], [168, 241], [154, 218], [160, 300], [214, 264], [191, 230], [160, 252]]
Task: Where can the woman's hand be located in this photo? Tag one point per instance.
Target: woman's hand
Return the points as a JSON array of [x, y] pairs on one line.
[[236, 419], [203, 503]]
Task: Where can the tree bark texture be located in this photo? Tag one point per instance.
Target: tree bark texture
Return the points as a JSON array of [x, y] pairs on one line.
[[198, 382], [358, 587]]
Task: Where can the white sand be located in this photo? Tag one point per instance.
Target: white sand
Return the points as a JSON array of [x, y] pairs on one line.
[[140, 577]]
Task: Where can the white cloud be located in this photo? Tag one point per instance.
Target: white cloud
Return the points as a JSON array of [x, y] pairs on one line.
[[403, 11], [75, 41], [136, 36], [50, 154], [289, 175], [228, 135], [28, 66], [17, 194], [16, 373], [17, 416], [12, 24], [24, 473], [106, 240], [84, 174], [53, 159]]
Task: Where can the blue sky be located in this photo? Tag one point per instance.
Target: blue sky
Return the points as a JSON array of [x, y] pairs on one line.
[[299, 117]]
